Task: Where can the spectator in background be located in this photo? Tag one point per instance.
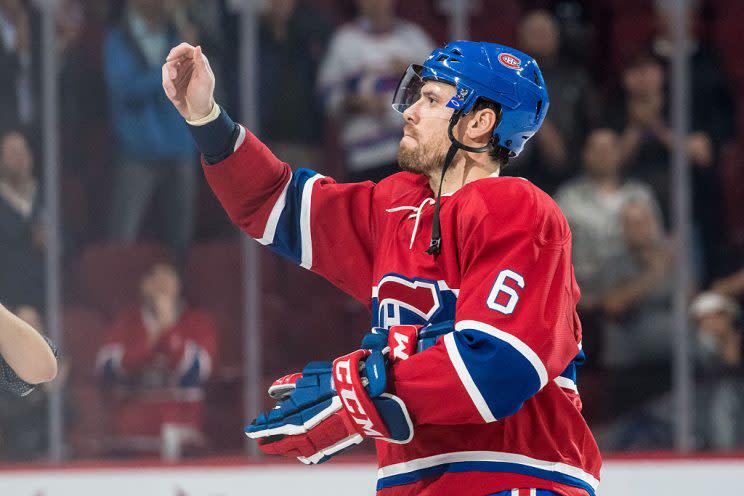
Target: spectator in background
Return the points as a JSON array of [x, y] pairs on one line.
[[153, 146], [16, 68], [159, 355], [292, 41], [641, 119], [22, 234], [719, 390], [712, 105], [361, 70], [712, 118], [592, 204], [646, 146], [636, 330], [79, 83], [637, 301], [179, 13], [203, 23], [572, 105], [720, 352]]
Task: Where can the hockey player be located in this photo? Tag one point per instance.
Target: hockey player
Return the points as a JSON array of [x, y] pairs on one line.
[[467, 380]]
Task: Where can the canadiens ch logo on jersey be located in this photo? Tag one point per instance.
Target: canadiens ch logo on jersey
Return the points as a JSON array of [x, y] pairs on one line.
[[400, 300]]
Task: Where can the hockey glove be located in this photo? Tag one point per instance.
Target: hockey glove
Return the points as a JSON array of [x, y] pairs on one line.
[[331, 407], [402, 341]]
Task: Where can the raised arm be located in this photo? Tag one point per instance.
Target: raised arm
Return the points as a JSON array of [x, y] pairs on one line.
[[300, 214], [27, 354]]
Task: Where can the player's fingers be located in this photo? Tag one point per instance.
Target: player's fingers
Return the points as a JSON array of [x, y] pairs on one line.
[[184, 50], [168, 86], [171, 69], [291, 446], [184, 76], [200, 61], [176, 73], [206, 62], [203, 69]]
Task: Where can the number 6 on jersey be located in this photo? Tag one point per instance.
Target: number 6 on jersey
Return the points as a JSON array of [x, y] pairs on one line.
[[500, 287]]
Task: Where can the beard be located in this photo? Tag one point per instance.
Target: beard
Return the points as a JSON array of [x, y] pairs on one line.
[[422, 159]]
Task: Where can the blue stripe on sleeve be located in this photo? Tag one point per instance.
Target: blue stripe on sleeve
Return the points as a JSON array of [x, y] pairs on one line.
[[288, 239], [504, 377], [570, 372]]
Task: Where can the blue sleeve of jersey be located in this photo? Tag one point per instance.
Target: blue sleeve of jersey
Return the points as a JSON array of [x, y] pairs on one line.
[[288, 228], [498, 375]]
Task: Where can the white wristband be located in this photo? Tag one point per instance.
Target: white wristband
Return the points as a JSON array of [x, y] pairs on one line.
[[212, 115]]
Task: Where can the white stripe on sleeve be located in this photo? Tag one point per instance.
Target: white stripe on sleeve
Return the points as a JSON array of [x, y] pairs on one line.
[[276, 212], [241, 138], [305, 234], [566, 383], [467, 381]]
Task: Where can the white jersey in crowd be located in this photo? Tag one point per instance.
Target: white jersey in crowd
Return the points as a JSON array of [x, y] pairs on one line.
[[362, 61]]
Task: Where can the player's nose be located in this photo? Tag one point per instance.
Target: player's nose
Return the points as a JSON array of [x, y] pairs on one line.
[[411, 114]]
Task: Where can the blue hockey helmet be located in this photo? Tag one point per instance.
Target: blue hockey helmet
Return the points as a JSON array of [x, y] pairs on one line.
[[484, 70]]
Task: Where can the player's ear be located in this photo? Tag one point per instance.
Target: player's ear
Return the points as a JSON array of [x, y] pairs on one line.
[[481, 124]]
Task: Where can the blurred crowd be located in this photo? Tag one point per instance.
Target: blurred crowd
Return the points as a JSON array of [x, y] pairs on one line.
[[152, 278]]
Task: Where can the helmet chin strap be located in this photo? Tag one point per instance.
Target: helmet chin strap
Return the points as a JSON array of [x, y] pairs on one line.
[[435, 245]]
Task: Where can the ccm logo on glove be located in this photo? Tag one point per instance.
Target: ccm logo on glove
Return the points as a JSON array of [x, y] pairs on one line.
[[347, 384]]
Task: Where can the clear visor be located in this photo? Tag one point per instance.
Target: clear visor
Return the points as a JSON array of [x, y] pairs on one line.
[[409, 88], [439, 96]]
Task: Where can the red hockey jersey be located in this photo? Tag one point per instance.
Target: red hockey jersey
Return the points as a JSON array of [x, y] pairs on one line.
[[494, 403]]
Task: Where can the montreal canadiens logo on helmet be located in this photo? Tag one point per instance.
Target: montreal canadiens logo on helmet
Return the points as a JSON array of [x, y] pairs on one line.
[[509, 61]]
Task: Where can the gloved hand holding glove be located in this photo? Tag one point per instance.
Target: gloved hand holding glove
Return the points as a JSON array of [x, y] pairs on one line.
[[330, 407]]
